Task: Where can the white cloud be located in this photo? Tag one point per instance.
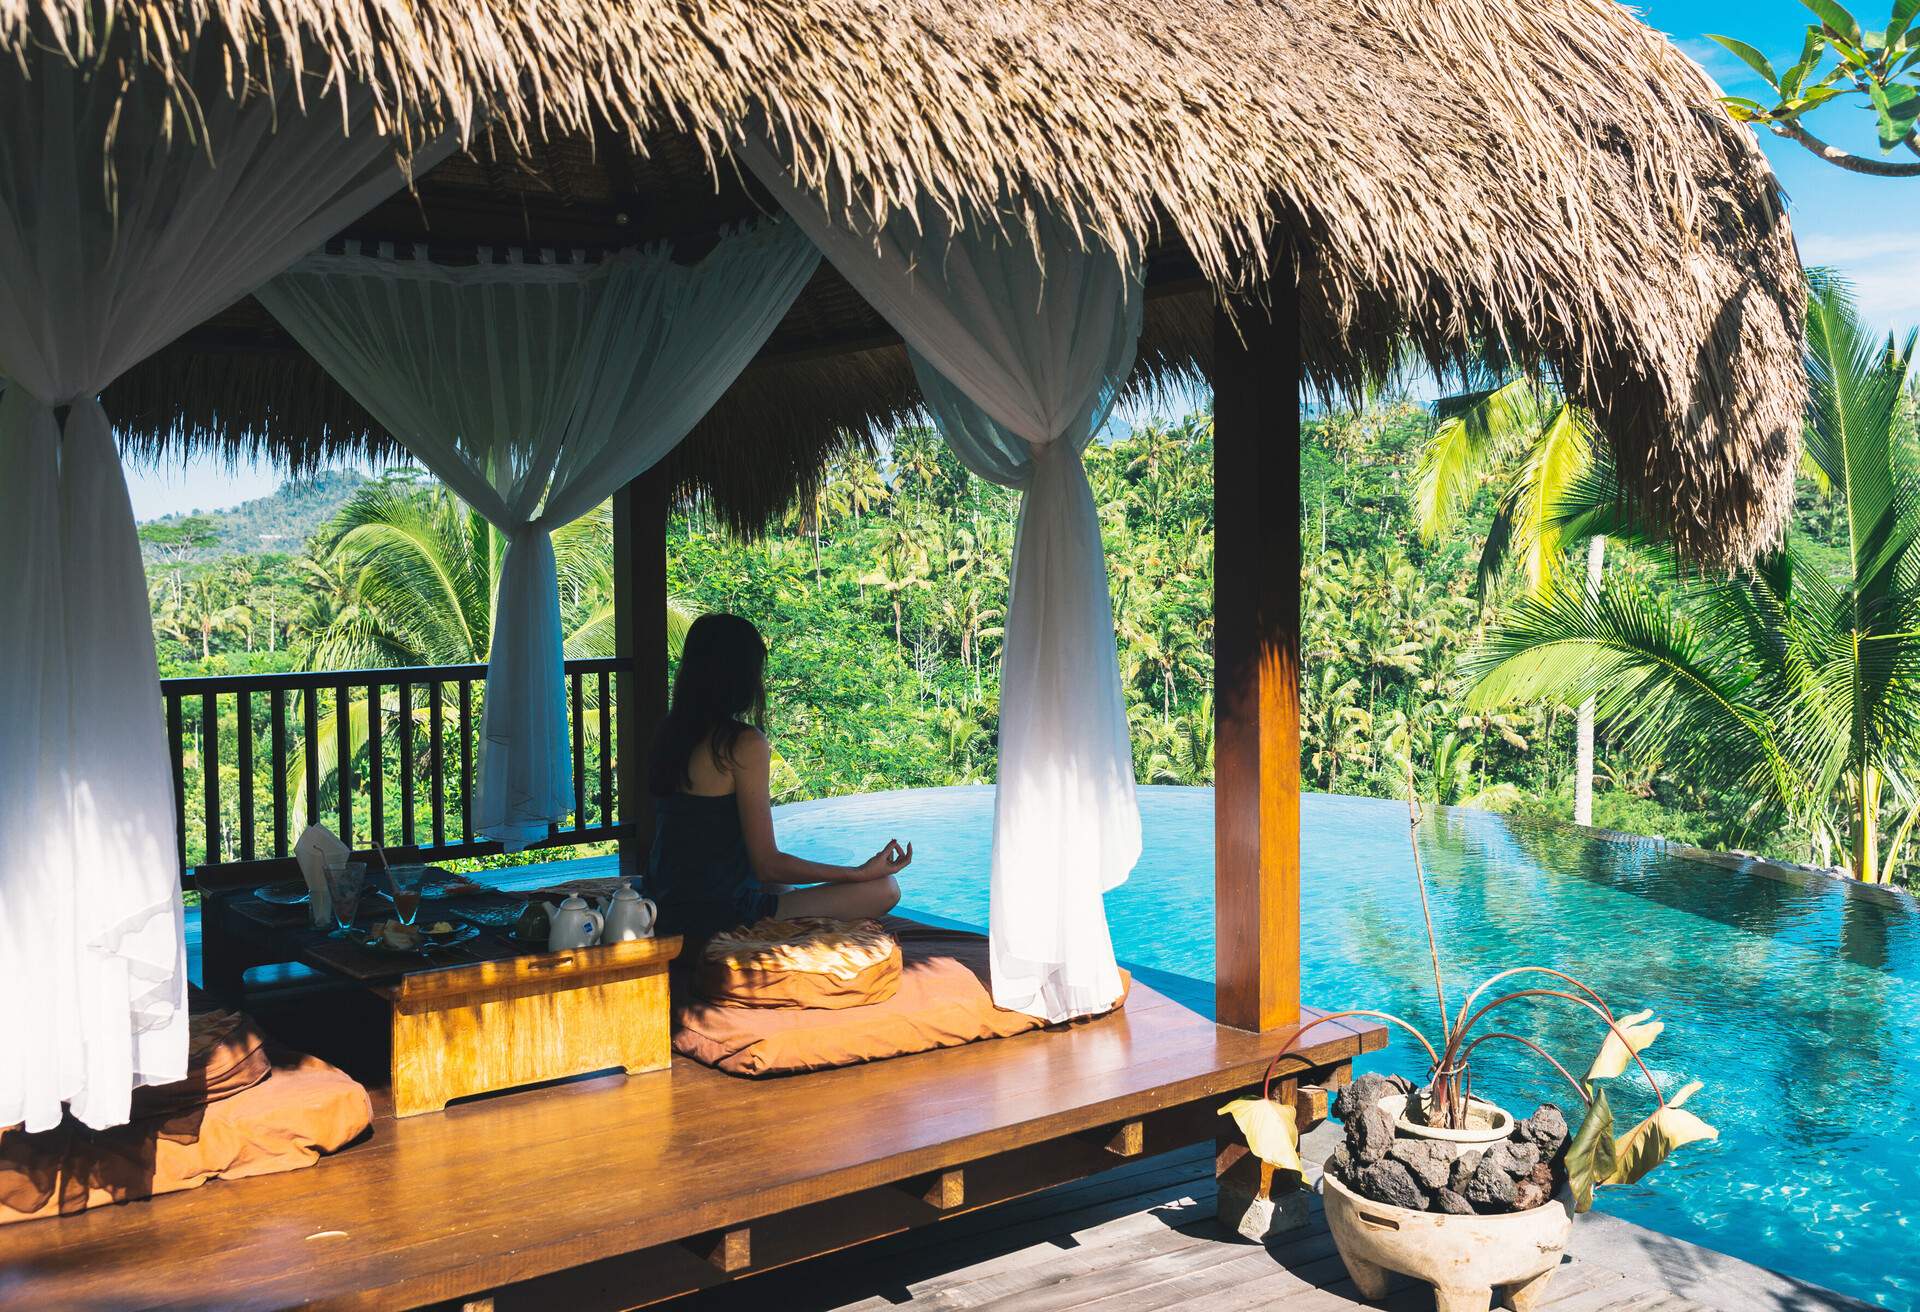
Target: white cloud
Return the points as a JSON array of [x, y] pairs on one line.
[[1884, 268]]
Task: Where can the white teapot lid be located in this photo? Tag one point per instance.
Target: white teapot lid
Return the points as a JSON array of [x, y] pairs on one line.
[[574, 902], [625, 893]]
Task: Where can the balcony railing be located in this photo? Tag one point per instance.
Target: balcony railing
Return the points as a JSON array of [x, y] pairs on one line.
[[383, 757]]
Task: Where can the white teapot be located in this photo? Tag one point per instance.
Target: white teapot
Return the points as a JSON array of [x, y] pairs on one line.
[[627, 915], [572, 924]]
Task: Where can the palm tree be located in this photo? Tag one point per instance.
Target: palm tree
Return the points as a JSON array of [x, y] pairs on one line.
[[407, 575], [1524, 433], [900, 567], [1805, 685]]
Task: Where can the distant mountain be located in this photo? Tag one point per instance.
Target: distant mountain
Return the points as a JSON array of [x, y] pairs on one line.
[[282, 522]]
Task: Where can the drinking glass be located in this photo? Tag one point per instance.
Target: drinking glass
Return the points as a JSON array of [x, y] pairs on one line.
[[345, 880], [404, 882]]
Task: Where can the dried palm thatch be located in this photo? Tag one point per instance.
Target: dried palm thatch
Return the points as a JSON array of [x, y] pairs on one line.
[[793, 416], [1552, 176]]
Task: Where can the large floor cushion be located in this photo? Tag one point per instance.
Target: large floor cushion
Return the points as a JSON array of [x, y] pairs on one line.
[[943, 1000], [226, 1054], [298, 1108], [804, 962]]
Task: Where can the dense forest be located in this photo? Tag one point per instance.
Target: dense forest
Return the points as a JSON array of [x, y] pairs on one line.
[[882, 597]]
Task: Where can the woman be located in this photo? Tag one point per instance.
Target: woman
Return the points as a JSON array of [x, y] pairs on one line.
[[715, 863]]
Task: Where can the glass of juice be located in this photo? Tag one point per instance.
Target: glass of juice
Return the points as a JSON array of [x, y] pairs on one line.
[[345, 880], [405, 882]]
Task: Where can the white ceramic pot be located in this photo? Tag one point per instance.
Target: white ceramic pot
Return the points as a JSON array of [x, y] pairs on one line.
[[1487, 1125], [1465, 1258]]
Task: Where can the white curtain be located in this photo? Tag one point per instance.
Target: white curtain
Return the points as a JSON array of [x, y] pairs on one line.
[[535, 390], [1021, 344], [103, 260]]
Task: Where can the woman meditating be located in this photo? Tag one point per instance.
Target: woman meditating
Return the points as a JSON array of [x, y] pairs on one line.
[[715, 863]]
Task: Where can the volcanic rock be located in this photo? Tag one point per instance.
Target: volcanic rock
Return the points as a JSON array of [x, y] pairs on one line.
[[1362, 1093], [1387, 1181], [1490, 1188], [1446, 1200], [1369, 1136], [1516, 1159], [1463, 1169], [1431, 1164], [1534, 1189], [1547, 1130], [1339, 1165]]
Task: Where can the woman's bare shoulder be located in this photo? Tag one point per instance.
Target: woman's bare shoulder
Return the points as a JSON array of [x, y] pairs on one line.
[[752, 745]]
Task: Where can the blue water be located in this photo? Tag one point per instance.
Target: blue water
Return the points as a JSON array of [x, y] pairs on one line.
[[1799, 1008]]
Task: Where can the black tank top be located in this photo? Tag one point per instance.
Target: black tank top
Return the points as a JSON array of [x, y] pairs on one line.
[[698, 873]]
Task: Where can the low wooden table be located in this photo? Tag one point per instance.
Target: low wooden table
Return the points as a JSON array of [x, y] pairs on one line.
[[475, 1017]]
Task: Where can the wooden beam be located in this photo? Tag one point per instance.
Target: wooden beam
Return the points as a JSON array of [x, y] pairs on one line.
[[1256, 604], [640, 626]]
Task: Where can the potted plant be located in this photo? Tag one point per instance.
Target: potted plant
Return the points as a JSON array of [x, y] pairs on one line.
[[1439, 1184]]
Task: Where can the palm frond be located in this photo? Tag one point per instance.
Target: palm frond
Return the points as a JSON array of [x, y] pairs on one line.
[[1478, 431], [1652, 672]]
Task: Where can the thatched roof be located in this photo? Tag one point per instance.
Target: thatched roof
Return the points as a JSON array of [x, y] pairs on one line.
[[1552, 175]]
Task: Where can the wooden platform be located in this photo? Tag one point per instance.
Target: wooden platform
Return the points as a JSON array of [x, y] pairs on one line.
[[1140, 1239], [615, 1191]]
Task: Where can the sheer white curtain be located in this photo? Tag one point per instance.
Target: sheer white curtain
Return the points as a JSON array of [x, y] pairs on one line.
[[1020, 351], [536, 390], [92, 971]]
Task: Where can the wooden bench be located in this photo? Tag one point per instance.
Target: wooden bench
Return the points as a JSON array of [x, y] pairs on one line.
[[624, 1190]]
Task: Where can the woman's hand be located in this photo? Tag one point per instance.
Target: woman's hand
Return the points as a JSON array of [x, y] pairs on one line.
[[889, 860]]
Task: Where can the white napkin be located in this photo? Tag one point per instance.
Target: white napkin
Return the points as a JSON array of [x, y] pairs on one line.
[[317, 849]]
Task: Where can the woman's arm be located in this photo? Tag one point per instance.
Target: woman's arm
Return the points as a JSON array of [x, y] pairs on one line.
[[752, 790]]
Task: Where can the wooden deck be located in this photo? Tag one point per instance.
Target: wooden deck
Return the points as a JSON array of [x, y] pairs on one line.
[[1143, 1237], [614, 1191]]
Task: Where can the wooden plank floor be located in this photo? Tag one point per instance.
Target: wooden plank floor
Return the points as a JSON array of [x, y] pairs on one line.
[[1133, 1240], [586, 1174]]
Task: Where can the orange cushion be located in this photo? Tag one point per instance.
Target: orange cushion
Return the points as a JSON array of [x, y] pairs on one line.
[[226, 1054], [302, 1108], [943, 1000], [804, 962]]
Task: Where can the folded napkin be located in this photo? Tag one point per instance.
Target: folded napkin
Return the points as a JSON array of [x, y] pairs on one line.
[[317, 849]]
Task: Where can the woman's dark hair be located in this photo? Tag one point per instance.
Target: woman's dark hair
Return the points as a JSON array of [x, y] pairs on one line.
[[720, 690]]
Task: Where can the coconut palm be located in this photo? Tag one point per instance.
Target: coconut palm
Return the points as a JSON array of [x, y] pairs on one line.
[[900, 567], [1526, 435], [409, 574], [1803, 684]]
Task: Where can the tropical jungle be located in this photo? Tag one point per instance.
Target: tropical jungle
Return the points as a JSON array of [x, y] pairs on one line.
[[1475, 597]]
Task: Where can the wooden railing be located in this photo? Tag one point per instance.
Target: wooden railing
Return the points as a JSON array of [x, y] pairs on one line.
[[395, 770]]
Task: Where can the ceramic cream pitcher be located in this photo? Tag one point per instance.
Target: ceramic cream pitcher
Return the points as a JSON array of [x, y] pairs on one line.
[[627, 916]]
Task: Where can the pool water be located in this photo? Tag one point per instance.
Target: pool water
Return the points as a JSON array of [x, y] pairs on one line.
[[1798, 1007]]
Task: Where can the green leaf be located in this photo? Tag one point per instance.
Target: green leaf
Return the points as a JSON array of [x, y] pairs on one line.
[[1269, 1131], [1897, 105], [1752, 58], [1836, 18], [1590, 1157], [1813, 99], [1904, 12], [1810, 54]]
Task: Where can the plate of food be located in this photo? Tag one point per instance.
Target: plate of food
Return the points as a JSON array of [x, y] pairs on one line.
[[423, 882], [422, 936]]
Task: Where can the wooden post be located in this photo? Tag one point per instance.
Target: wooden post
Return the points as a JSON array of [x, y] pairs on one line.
[[1256, 606], [640, 625]]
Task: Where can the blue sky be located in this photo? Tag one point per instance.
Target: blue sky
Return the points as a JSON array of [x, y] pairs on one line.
[[1862, 226]]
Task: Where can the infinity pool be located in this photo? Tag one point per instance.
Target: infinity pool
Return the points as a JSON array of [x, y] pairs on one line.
[[1799, 1007]]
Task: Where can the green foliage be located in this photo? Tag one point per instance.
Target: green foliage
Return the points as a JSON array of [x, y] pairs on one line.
[[1839, 58], [883, 600], [1799, 679]]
